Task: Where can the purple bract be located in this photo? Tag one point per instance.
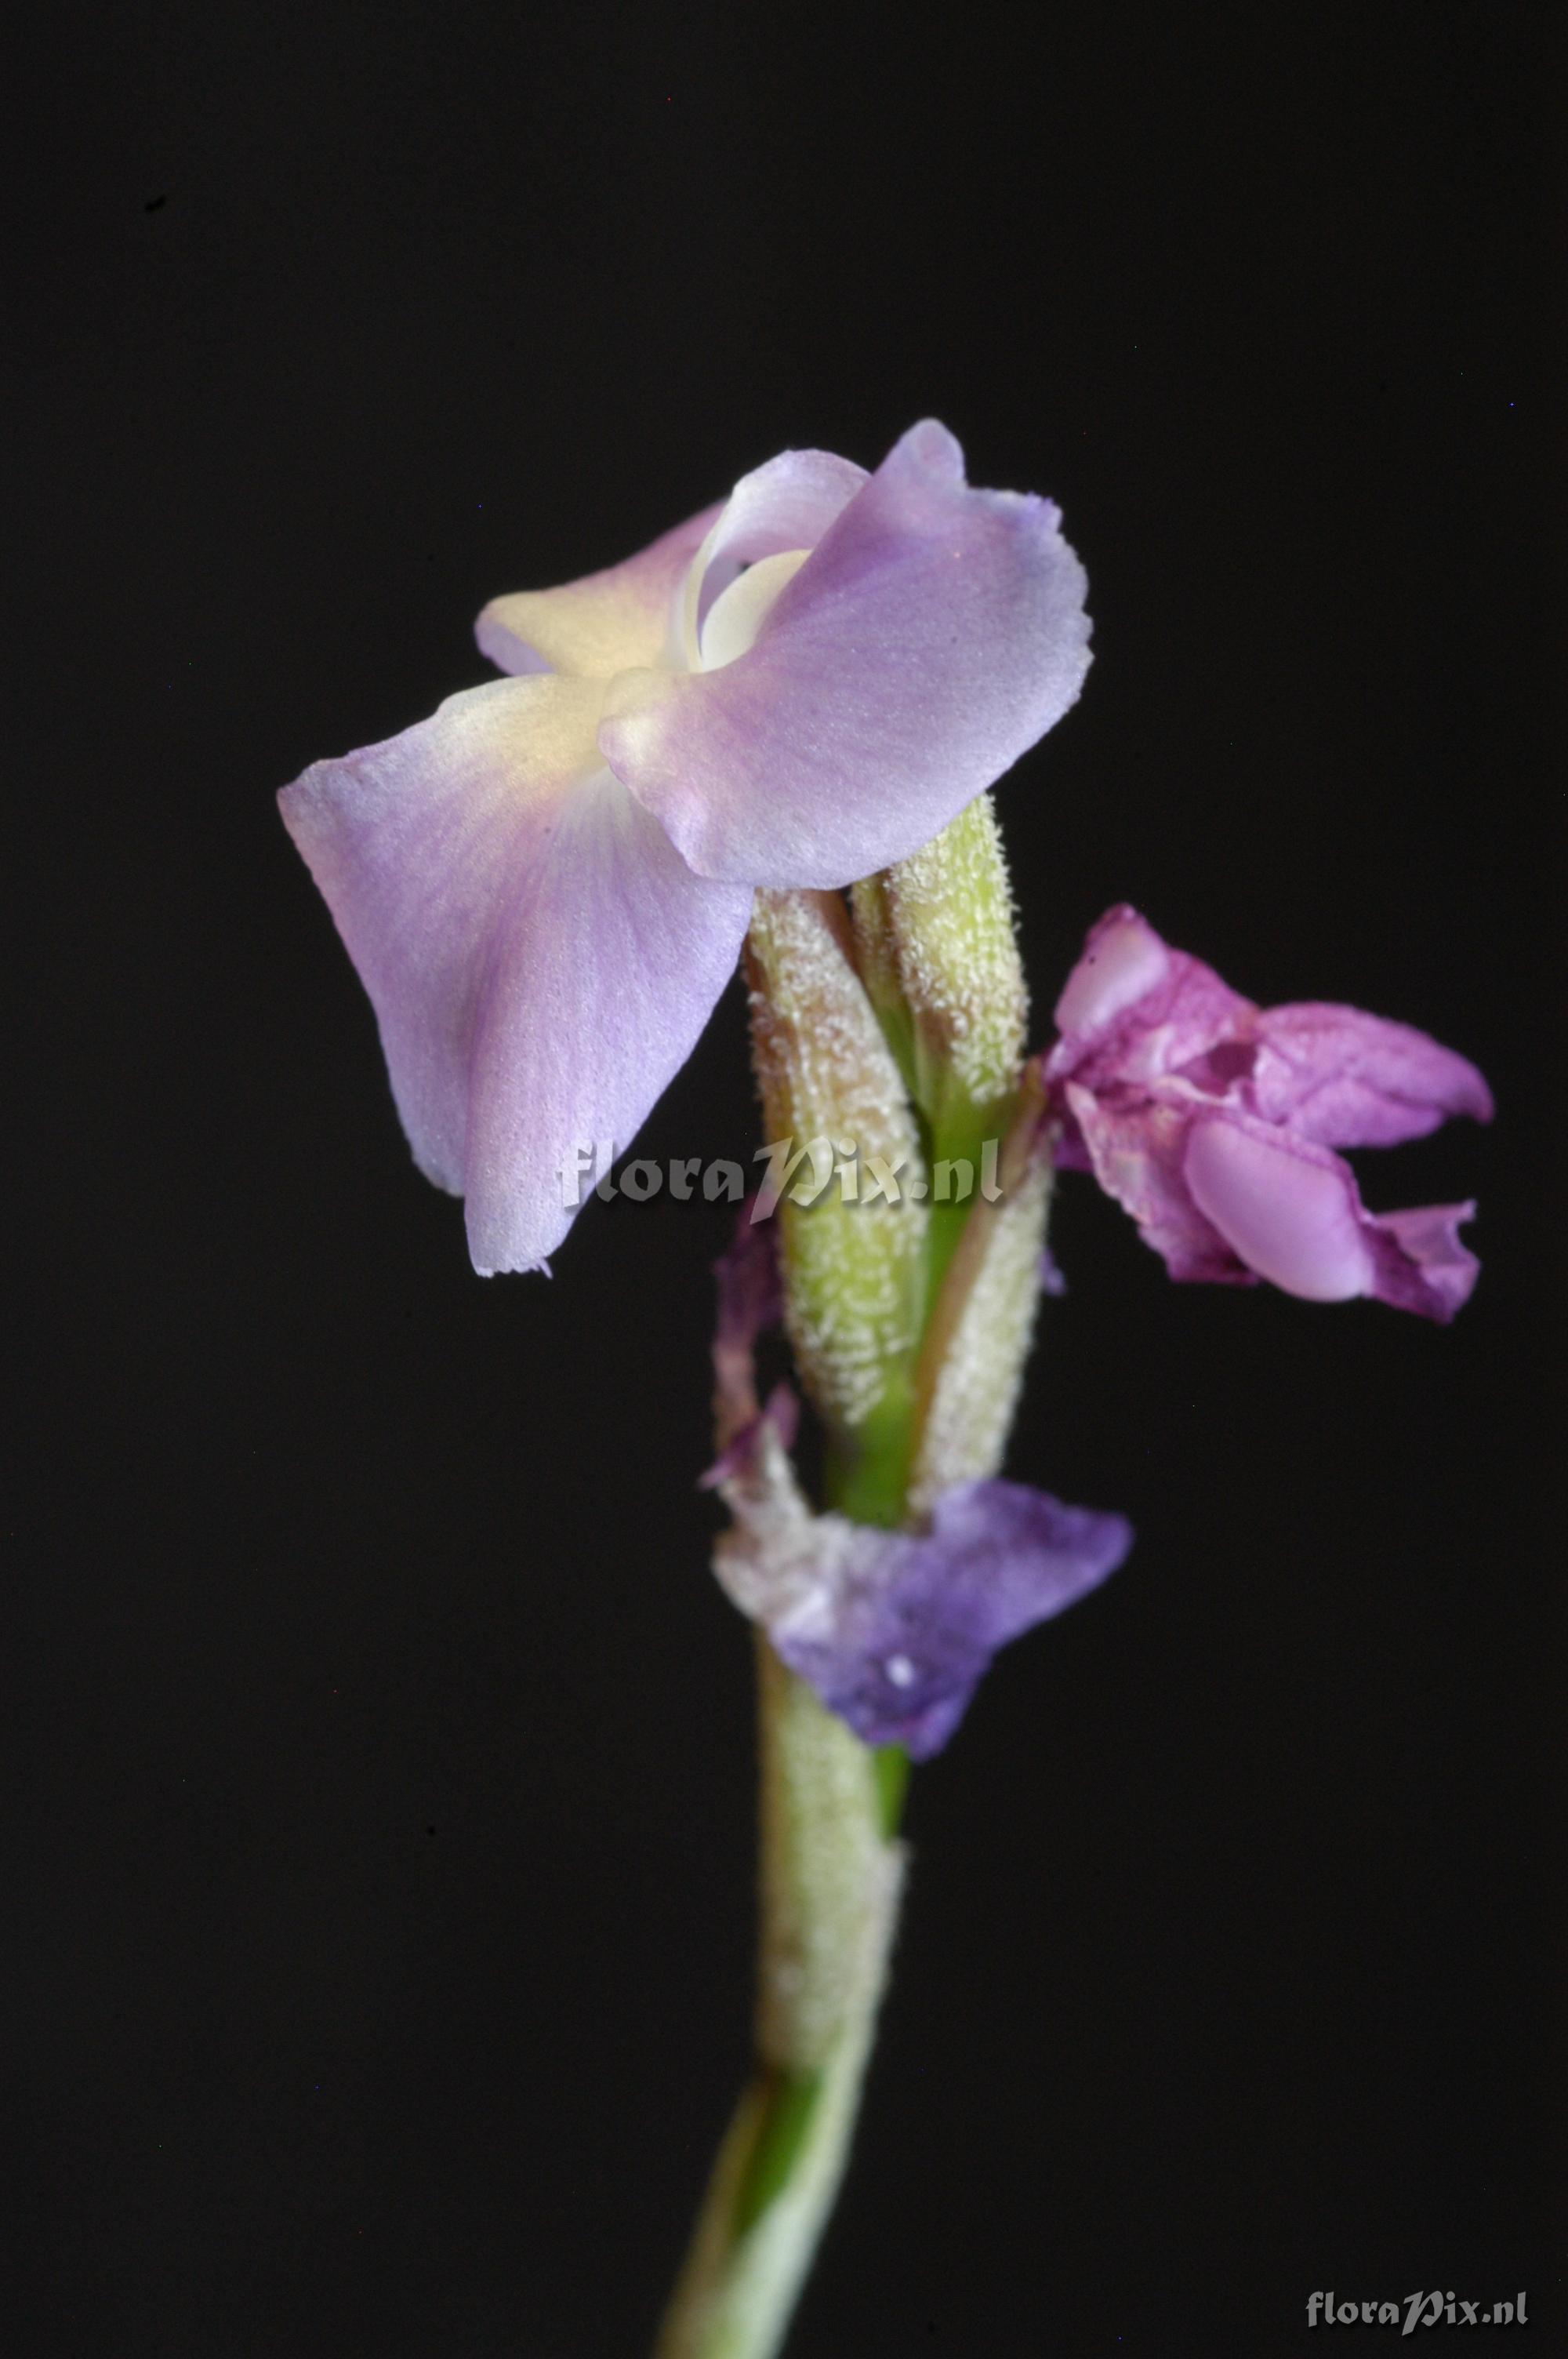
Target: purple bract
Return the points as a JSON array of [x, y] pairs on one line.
[[894, 1630]]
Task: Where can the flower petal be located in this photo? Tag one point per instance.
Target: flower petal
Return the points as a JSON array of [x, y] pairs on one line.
[[618, 620], [540, 961], [894, 1630], [737, 615], [1133, 1010], [613, 961], [1348, 1080], [1122, 960], [1135, 1151], [788, 503], [1419, 1263], [1291, 1211], [935, 633]]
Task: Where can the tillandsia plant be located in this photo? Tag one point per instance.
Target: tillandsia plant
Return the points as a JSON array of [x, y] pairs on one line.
[[771, 737]]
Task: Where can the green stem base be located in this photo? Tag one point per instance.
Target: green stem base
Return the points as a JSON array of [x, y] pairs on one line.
[[831, 1876]]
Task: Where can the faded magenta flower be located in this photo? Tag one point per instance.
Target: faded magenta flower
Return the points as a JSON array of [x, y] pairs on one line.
[[1214, 1122], [545, 887]]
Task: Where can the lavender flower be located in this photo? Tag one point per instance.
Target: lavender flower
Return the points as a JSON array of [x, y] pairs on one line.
[[1213, 1122], [544, 886], [894, 1630]]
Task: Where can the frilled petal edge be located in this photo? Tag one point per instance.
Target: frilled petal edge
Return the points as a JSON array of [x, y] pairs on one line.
[[1345, 1079], [540, 960], [934, 634]]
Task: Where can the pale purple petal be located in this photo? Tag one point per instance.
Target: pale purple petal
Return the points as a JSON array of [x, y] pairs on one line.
[[1133, 1011], [933, 636], [614, 960], [1419, 1263], [617, 620], [1122, 961], [788, 503], [540, 960], [1292, 1211], [1286, 1209], [1349, 1079], [736, 617], [912, 1622], [1137, 1153], [416, 844]]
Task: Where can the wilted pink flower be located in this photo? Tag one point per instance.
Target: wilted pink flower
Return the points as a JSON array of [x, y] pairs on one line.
[[1213, 1122], [544, 886]]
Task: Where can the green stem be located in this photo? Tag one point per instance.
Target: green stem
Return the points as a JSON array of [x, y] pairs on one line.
[[831, 1872], [867, 1472], [830, 1879], [957, 1132]]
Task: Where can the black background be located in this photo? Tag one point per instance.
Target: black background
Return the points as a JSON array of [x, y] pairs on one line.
[[378, 1778]]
